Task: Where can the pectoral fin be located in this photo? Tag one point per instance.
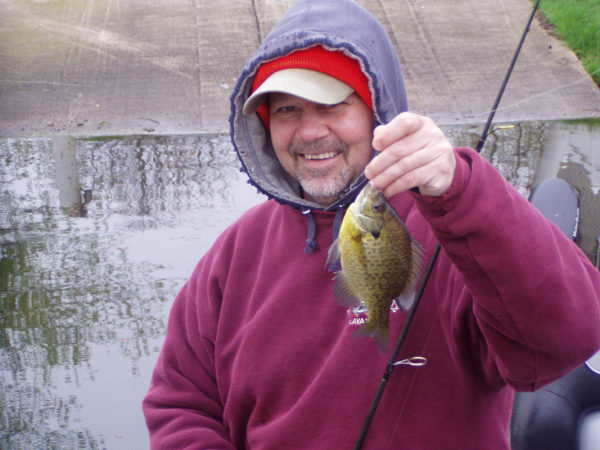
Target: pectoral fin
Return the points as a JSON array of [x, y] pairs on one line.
[[333, 254], [343, 292]]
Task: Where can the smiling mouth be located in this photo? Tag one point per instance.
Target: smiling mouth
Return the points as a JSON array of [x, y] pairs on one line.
[[326, 155]]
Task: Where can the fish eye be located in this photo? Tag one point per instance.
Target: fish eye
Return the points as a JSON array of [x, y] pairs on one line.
[[376, 206]]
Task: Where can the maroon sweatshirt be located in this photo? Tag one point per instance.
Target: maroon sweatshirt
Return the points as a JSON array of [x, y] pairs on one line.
[[259, 355]]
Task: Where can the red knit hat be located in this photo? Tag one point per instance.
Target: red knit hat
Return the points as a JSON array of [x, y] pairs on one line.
[[333, 63]]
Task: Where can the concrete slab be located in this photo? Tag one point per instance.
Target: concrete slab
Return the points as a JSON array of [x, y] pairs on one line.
[[105, 67]]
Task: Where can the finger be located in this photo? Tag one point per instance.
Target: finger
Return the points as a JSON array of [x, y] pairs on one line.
[[405, 134], [432, 179], [427, 139], [397, 168], [402, 125], [395, 152]]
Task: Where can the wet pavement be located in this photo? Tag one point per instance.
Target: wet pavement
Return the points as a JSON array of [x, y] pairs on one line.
[[111, 67]]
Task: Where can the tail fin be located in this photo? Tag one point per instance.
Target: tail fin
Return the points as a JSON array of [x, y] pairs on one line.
[[381, 336]]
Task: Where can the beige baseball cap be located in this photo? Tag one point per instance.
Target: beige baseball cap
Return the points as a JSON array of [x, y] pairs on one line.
[[304, 83]]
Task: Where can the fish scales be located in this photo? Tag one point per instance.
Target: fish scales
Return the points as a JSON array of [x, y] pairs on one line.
[[380, 263]]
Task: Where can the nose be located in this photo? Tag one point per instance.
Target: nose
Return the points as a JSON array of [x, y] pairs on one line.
[[312, 126]]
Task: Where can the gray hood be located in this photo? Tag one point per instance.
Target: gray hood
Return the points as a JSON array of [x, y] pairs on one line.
[[336, 25]]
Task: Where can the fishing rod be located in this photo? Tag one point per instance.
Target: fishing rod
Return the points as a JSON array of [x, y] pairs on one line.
[[419, 361]]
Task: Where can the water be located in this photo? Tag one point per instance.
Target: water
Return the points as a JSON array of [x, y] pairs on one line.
[[98, 236], [528, 153], [85, 288]]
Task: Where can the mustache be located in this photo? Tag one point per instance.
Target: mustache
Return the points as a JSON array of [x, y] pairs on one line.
[[301, 147]]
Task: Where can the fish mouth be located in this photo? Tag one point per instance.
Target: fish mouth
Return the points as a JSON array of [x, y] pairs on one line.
[[366, 194], [320, 156]]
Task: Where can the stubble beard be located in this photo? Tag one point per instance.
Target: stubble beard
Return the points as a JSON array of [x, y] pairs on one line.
[[321, 184]]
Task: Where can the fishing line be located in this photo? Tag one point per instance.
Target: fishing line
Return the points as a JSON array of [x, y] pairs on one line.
[[481, 142], [391, 365], [541, 94], [417, 359]]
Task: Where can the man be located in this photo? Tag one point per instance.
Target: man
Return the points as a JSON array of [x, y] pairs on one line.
[[259, 355]]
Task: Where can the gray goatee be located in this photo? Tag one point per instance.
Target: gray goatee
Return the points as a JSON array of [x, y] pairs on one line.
[[318, 183]]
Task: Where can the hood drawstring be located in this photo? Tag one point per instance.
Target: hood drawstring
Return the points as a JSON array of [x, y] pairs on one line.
[[311, 243], [337, 224]]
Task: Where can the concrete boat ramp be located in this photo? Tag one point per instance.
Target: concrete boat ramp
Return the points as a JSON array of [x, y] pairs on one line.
[[114, 67]]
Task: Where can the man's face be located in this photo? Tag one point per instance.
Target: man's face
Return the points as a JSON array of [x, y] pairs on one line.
[[324, 147]]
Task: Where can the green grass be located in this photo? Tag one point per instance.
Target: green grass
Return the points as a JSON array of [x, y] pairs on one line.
[[577, 23]]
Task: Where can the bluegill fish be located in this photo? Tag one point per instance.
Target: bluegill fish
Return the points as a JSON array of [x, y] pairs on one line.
[[380, 262]]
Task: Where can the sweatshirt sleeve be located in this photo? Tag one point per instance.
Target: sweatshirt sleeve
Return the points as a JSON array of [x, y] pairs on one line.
[[183, 408], [530, 291]]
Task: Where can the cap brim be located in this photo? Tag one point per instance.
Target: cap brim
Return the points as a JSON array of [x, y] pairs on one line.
[[304, 83]]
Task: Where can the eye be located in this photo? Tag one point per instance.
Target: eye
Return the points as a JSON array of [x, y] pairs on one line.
[[377, 206], [287, 111], [332, 108]]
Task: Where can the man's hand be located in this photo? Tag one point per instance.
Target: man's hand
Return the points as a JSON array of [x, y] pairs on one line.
[[414, 153]]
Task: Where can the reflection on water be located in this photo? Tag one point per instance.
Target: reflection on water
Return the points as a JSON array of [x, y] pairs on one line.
[[527, 154], [513, 149], [97, 237], [573, 150], [72, 278]]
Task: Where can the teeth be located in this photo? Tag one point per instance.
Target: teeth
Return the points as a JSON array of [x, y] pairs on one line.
[[321, 155]]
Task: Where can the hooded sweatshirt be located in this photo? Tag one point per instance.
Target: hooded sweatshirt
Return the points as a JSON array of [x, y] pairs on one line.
[[258, 354]]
